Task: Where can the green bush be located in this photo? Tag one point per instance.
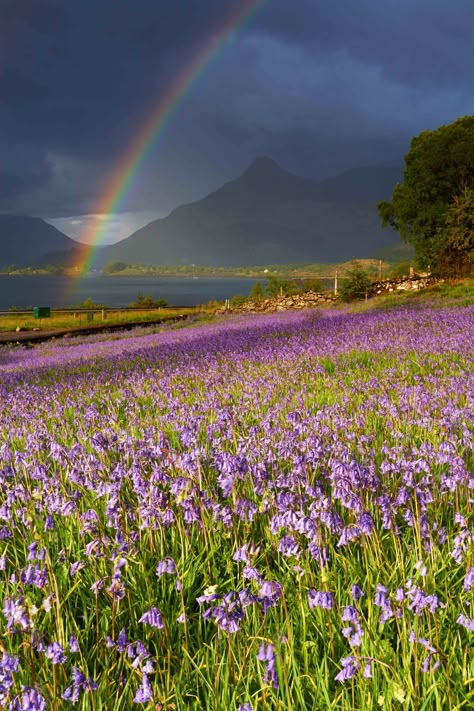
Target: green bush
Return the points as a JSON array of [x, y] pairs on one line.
[[357, 284], [147, 302], [400, 270], [257, 293], [89, 304], [237, 301], [278, 287]]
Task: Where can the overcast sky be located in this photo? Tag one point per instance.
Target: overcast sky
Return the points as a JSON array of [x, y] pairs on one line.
[[319, 85]]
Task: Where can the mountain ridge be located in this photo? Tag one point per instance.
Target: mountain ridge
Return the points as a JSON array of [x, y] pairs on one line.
[[266, 215], [269, 215], [28, 241]]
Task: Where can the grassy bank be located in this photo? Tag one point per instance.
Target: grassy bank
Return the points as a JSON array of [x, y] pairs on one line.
[[79, 319]]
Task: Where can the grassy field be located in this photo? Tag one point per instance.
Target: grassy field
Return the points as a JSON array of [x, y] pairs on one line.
[[78, 319], [261, 512]]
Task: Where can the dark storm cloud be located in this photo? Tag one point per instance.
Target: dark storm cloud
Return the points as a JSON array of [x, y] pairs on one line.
[[320, 86], [417, 42]]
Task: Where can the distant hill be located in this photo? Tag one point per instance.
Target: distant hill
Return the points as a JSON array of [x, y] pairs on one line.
[[30, 242], [270, 216]]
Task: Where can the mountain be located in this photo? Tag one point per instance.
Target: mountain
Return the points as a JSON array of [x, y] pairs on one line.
[[270, 216], [30, 241]]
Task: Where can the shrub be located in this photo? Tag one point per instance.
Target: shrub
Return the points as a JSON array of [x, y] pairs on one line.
[[357, 284], [257, 293], [147, 302], [400, 270], [237, 301], [277, 287]]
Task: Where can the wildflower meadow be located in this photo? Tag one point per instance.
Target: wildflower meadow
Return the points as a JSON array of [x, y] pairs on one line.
[[263, 512]]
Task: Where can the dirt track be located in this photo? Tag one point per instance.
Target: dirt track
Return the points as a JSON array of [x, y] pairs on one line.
[[25, 337]]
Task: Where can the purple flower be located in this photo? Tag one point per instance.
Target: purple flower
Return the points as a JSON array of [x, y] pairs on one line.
[[469, 579], [8, 666], [357, 592], [324, 600], [73, 644], [269, 593], [144, 692], [153, 618], [251, 573], [33, 553], [427, 666], [122, 641], [350, 614], [30, 700], [55, 653], [350, 667], [266, 654], [167, 565], [466, 622], [76, 567], [366, 523], [79, 683], [15, 613]]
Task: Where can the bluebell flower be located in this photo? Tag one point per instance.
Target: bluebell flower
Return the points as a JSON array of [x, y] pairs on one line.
[[153, 618], [144, 692]]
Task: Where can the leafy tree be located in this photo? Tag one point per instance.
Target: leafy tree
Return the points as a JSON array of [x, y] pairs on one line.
[[114, 267], [458, 256], [357, 284], [430, 208], [276, 286], [147, 302], [257, 293]]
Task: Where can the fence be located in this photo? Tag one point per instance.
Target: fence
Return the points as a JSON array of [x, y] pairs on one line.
[[85, 314]]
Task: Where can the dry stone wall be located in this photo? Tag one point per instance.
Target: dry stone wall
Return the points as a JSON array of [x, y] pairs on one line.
[[285, 303], [310, 299], [413, 283]]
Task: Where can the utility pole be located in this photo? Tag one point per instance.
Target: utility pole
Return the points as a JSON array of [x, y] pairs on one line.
[[380, 270], [335, 284]]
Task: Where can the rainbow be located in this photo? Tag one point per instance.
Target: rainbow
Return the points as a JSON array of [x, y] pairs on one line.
[[143, 142]]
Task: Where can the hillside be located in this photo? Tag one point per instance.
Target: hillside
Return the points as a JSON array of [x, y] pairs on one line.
[[270, 216], [30, 241]]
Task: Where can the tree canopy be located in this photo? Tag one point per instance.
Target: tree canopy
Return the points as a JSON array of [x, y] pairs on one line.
[[432, 208]]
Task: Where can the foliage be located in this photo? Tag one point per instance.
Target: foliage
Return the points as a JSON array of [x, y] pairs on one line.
[[89, 304], [237, 300], [257, 294], [310, 284], [356, 284], [430, 209], [114, 267], [277, 286], [147, 302], [458, 254], [401, 269]]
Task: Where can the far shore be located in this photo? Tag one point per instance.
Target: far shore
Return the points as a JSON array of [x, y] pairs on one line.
[[299, 271]]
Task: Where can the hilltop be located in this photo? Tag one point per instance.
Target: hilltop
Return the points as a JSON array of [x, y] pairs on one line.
[[269, 216]]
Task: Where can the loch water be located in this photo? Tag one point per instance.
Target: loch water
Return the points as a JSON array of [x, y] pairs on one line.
[[23, 292]]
